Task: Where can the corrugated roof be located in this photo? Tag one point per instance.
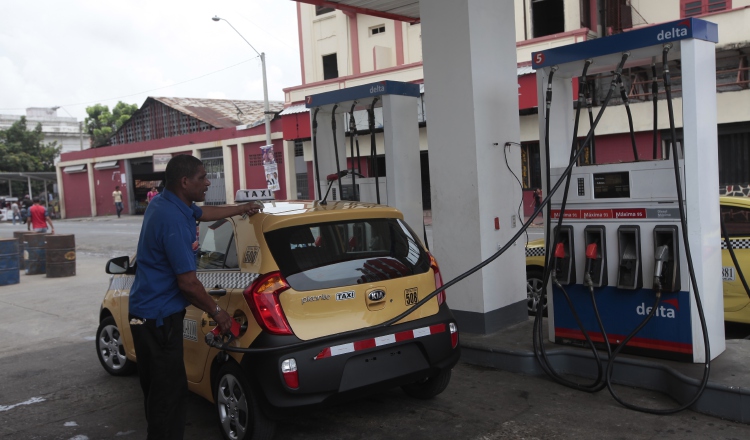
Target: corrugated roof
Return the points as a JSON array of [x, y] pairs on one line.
[[221, 113], [294, 109], [524, 70]]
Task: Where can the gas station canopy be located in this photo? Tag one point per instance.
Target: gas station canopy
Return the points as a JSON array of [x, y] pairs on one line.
[[401, 10]]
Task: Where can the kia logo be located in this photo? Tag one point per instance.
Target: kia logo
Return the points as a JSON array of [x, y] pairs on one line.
[[376, 295]]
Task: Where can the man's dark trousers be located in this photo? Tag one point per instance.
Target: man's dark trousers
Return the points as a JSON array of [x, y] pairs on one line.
[[161, 369]]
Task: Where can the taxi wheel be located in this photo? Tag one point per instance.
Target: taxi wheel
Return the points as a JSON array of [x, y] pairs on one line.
[[240, 417], [111, 351], [534, 283], [429, 387]]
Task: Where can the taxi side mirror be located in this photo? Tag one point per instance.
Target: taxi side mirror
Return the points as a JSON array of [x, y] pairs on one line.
[[119, 266]]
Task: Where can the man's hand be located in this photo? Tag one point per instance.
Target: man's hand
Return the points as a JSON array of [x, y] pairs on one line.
[[249, 209], [224, 321]]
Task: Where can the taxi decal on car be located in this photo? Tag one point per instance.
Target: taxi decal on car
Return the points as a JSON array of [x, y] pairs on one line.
[[251, 254], [342, 296], [227, 280], [189, 330], [121, 283]]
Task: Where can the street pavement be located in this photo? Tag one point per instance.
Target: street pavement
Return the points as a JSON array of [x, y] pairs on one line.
[[53, 386]]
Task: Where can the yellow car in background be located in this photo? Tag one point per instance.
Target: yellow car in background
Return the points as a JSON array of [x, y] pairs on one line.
[[310, 285], [735, 212]]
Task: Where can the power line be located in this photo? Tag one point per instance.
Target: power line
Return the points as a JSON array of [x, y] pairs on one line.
[[147, 91]]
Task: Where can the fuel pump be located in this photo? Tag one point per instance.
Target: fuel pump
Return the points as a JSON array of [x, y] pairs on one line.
[[396, 103], [635, 289]]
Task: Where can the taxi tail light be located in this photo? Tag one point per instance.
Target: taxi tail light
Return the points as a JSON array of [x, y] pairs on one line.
[[289, 372], [438, 279], [454, 334], [263, 299]]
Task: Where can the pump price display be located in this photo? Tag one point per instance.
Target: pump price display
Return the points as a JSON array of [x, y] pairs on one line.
[[612, 185]]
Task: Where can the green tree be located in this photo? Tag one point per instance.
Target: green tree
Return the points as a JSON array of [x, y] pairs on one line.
[[24, 150], [101, 123]]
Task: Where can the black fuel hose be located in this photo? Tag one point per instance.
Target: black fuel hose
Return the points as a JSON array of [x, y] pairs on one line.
[[352, 138], [315, 147], [336, 147], [624, 96], [655, 93], [538, 338], [373, 147], [691, 270]]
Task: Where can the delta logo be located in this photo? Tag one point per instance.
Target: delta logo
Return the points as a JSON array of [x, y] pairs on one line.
[[675, 32], [661, 311]]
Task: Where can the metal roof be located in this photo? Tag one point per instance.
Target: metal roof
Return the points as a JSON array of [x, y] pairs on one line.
[[294, 109], [403, 10], [220, 113]]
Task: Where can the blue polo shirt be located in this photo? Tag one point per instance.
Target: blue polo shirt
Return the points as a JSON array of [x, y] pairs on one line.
[[165, 249]]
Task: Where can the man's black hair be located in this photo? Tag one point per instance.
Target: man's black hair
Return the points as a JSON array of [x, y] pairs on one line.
[[36, 200], [183, 165]]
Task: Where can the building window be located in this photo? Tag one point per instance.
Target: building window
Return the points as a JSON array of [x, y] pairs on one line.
[[320, 10], [547, 17], [380, 29], [619, 16], [531, 166], [691, 8], [330, 66]]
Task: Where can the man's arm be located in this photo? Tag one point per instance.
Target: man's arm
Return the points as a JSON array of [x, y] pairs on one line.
[[196, 294], [211, 213]]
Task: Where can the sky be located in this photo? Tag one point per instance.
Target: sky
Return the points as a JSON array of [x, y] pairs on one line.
[[78, 53]]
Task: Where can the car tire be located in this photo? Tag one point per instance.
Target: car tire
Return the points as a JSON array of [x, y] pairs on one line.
[[429, 387], [110, 350], [239, 415], [534, 283]]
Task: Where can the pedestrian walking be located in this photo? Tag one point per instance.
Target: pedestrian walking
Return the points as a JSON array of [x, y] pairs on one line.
[[165, 283], [151, 194], [16, 212], [117, 196], [39, 217], [538, 202]]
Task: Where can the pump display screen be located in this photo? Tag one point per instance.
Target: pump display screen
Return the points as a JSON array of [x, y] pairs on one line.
[[612, 185]]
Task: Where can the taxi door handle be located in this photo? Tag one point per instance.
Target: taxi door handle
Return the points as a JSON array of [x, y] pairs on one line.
[[217, 292]]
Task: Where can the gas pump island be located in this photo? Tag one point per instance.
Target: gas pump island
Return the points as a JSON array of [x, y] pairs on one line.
[[332, 113], [620, 242]]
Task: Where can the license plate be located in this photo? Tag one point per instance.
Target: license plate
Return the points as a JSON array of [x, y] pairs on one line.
[[727, 273], [411, 297]]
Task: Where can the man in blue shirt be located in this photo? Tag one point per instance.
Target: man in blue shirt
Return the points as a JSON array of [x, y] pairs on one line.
[[165, 283]]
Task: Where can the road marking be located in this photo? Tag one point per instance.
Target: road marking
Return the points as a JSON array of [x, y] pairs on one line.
[[28, 402]]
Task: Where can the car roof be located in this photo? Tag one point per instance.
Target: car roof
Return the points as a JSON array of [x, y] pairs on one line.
[[734, 200], [278, 214]]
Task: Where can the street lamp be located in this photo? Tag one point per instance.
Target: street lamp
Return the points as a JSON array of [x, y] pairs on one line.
[[262, 56]]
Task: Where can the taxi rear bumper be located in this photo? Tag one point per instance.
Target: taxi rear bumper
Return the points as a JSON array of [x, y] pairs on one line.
[[352, 366]]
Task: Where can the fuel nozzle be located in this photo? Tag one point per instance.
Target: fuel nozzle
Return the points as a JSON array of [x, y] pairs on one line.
[[660, 257], [214, 338], [559, 256], [591, 252]]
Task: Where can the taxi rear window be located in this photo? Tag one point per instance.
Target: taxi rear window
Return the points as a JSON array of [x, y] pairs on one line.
[[327, 255]]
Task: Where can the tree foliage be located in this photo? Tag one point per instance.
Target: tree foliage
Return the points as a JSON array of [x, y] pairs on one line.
[[24, 150], [101, 123]]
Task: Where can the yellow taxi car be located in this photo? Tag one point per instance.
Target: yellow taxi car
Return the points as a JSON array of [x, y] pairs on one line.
[[735, 212], [310, 284]]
